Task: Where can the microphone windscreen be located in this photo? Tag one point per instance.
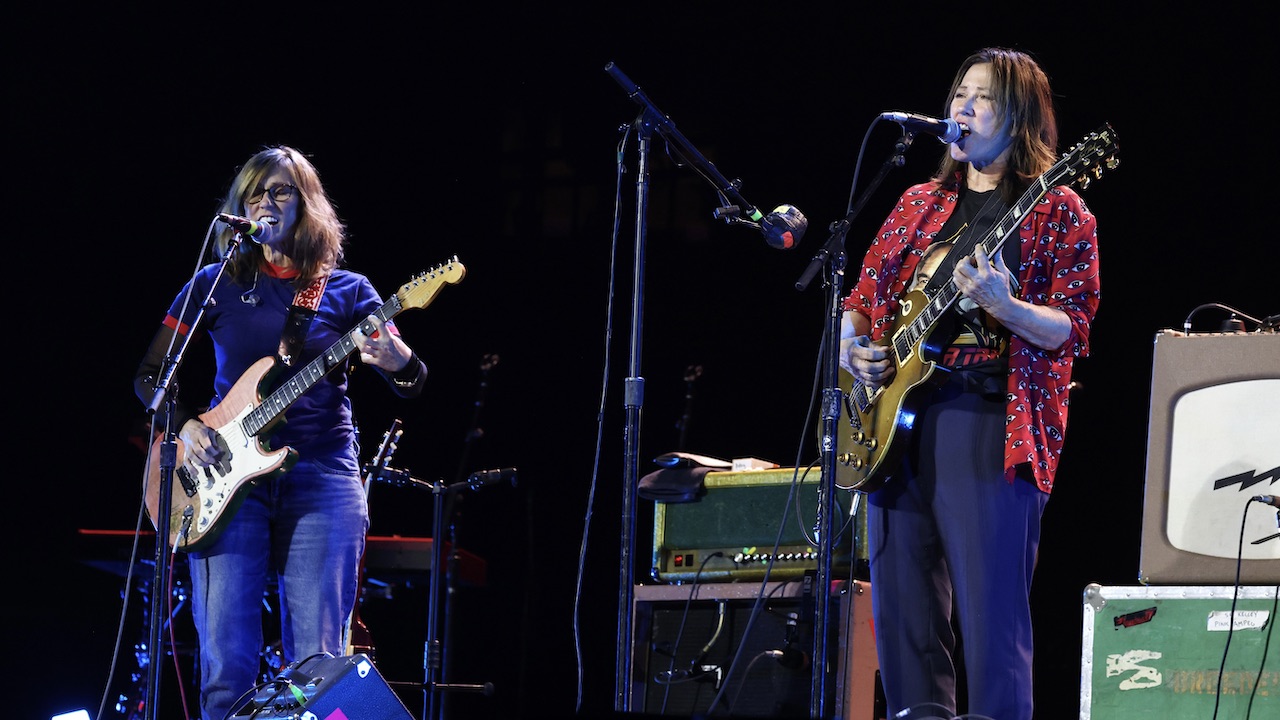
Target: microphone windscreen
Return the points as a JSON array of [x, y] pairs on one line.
[[784, 227]]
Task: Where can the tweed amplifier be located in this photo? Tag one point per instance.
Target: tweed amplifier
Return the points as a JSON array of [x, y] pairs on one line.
[[728, 534]]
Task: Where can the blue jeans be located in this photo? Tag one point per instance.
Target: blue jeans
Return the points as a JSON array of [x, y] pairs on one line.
[[307, 528], [953, 540]]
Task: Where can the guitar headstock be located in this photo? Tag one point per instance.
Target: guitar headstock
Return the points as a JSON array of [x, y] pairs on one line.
[[423, 288], [1085, 161]]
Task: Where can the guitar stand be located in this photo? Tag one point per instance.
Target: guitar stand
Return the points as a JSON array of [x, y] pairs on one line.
[[432, 686]]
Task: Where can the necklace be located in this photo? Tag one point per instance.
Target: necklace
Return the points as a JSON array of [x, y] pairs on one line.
[[250, 297]]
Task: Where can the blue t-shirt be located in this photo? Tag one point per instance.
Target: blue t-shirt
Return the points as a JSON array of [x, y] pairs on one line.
[[318, 423]]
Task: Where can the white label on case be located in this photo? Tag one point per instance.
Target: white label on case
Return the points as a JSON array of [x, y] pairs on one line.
[[1220, 621]]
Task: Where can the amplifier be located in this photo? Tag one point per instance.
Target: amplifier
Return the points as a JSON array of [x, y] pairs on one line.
[[1211, 446], [687, 640], [741, 516]]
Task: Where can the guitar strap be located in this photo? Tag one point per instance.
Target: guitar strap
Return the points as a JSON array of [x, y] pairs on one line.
[[296, 325], [971, 223]]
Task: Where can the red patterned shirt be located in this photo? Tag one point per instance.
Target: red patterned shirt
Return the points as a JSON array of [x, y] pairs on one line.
[[1059, 268]]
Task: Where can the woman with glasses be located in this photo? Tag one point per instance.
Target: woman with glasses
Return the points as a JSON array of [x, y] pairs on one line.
[[284, 295]]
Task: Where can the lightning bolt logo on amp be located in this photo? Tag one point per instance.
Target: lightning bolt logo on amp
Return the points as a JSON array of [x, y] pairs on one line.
[[1248, 479]]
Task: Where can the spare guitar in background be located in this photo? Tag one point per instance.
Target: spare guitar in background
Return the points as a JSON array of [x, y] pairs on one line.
[[358, 639], [203, 503], [875, 426]]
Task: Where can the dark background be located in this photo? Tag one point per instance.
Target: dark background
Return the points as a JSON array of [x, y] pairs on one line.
[[492, 132]]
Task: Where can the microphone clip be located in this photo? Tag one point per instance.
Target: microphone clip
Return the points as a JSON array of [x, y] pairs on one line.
[[732, 214]]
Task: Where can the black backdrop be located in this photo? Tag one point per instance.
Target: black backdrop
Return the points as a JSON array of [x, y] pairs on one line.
[[492, 133]]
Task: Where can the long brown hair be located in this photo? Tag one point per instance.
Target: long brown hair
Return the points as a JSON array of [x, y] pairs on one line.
[[1023, 96], [317, 244]]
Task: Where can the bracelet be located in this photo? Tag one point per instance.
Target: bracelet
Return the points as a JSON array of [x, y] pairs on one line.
[[410, 374]]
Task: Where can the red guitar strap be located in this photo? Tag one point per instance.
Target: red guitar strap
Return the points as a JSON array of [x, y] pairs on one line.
[[303, 310]]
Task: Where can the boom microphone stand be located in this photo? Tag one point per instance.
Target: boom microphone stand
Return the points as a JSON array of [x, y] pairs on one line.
[[782, 228], [161, 517]]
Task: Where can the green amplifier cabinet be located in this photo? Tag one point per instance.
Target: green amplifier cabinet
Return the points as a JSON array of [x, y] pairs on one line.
[[741, 516], [1158, 652]]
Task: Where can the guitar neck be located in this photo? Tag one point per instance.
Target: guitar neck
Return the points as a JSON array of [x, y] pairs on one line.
[[275, 404]]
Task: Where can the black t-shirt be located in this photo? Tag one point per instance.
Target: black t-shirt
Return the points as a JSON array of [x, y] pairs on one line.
[[981, 345]]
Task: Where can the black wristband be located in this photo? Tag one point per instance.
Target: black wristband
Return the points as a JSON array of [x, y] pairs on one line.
[[410, 374]]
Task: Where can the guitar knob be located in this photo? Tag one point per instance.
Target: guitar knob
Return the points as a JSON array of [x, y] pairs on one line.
[[848, 460], [872, 444]]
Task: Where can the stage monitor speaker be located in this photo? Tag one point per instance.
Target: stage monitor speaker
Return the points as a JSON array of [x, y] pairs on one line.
[[688, 638], [1213, 443], [325, 688]]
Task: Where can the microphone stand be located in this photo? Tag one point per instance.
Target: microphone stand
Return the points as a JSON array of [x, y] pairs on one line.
[[487, 364], [164, 503], [432, 684], [649, 120], [832, 255]]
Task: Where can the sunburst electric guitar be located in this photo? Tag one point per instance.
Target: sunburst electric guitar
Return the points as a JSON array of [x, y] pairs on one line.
[[204, 501], [875, 426]]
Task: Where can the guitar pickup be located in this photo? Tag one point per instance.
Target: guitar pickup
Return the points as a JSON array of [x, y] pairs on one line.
[[188, 483]]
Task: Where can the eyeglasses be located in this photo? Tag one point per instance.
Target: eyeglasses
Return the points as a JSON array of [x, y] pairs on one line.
[[279, 193]]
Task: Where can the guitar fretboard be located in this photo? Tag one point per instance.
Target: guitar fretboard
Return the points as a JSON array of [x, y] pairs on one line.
[[275, 404]]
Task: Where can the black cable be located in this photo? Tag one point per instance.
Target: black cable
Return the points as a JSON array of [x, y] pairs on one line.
[[761, 595], [1235, 596], [1266, 647], [675, 647], [1230, 629], [1186, 324], [600, 414]]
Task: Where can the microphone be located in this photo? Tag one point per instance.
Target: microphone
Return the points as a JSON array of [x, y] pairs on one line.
[[259, 232], [487, 477], [784, 227], [946, 130], [1271, 500]]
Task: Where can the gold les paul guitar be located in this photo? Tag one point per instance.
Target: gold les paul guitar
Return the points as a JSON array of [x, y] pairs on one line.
[[203, 502], [875, 426]]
